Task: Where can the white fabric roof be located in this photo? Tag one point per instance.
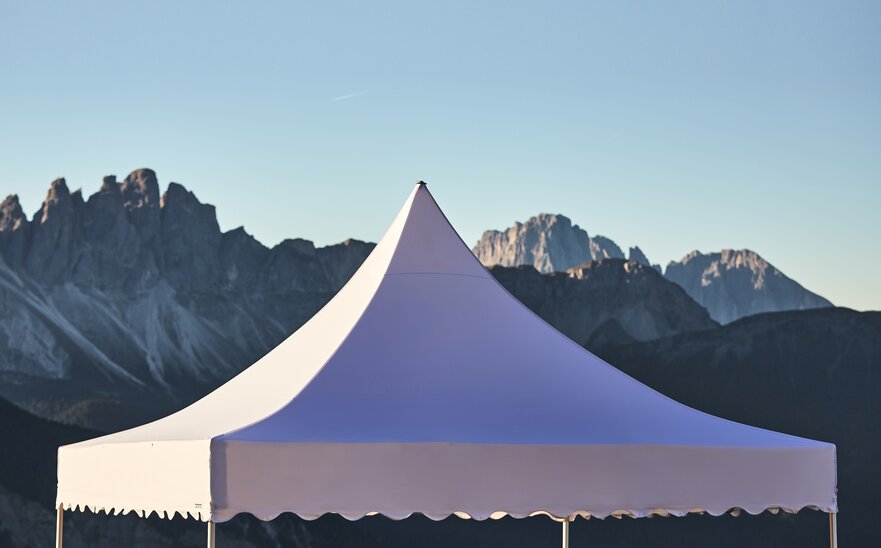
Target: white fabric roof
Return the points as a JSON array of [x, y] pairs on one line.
[[423, 386]]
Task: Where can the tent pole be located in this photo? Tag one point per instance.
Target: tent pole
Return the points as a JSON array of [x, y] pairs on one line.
[[59, 526], [210, 534], [566, 533], [833, 530]]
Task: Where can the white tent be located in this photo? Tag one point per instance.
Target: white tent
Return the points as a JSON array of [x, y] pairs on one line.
[[423, 386]]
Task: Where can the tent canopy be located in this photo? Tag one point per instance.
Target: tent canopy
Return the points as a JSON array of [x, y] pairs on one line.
[[424, 386]]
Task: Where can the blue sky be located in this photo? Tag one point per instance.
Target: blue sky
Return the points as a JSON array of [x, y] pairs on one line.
[[669, 125]]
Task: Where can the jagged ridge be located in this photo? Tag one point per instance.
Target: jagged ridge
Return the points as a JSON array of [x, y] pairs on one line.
[[135, 288]]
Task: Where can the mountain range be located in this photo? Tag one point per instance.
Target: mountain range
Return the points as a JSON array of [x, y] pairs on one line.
[[130, 290], [729, 284], [131, 293]]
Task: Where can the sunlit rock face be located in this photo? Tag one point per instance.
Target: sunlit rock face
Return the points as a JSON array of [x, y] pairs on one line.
[[547, 242], [732, 284]]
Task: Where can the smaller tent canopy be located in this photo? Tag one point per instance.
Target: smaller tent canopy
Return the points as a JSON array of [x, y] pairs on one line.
[[423, 386]]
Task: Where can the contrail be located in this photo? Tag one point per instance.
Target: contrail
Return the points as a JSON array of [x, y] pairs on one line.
[[349, 96]]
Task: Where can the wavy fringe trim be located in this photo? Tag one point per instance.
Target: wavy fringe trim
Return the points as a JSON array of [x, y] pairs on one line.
[[228, 514]]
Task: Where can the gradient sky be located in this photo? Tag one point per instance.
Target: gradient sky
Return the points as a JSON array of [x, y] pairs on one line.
[[669, 125]]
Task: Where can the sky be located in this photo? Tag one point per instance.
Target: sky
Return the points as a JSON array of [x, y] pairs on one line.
[[669, 125]]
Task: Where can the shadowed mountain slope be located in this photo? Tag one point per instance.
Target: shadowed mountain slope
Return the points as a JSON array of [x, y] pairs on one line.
[[811, 373], [610, 298]]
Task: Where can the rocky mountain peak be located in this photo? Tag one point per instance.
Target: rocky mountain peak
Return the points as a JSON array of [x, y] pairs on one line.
[[11, 215], [549, 242], [140, 188], [76, 197], [109, 184], [604, 248], [636, 254], [14, 229], [59, 187], [734, 283], [716, 265], [737, 258], [58, 197], [177, 193], [549, 219], [297, 246], [58, 205], [694, 255], [180, 202], [190, 237], [53, 232]]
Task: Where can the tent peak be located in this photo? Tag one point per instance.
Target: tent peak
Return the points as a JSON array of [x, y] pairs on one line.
[[426, 242]]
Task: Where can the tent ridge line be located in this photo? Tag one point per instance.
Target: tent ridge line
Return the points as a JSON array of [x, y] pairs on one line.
[[393, 251], [221, 436], [429, 273]]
